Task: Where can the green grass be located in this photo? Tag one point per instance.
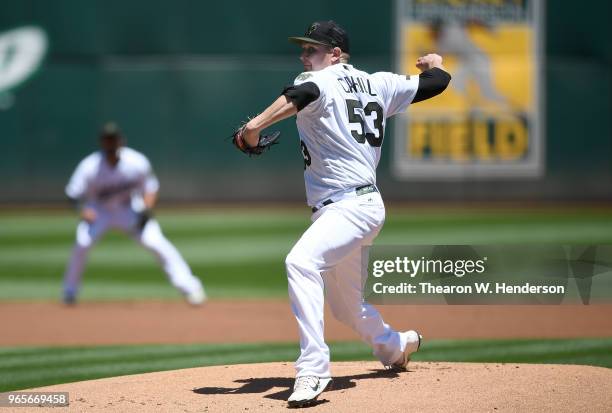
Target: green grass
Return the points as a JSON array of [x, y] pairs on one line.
[[26, 367], [240, 253]]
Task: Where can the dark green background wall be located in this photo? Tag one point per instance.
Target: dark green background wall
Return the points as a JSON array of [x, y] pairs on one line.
[[179, 76]]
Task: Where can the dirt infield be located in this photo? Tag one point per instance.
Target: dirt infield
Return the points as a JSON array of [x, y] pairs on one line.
[[39, 323], [357, 387]]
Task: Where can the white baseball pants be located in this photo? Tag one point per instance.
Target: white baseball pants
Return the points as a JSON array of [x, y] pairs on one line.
[[151, 237], [327, 258]]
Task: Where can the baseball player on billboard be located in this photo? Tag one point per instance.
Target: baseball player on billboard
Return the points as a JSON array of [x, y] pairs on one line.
[[115, 188], [341, 117]]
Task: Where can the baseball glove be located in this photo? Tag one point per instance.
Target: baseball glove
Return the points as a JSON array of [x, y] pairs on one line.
[[143, 217], [265, 141]]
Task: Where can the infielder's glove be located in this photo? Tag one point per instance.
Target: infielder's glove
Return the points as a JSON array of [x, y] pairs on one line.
[[143, 217], [265, 141]]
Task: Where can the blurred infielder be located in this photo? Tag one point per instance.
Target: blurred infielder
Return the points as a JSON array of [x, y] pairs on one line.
[[341, 118], [116, 188]]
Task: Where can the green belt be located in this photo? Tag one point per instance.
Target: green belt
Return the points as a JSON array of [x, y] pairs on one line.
[[360, 190]]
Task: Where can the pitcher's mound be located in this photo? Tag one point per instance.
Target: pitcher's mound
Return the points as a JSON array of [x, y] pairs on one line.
[[356, 387]]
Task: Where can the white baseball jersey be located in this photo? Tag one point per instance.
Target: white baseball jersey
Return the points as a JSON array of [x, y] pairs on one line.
[[101, 185], [342, 131]]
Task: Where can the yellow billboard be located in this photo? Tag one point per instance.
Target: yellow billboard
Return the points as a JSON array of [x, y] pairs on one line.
[[487, 124]]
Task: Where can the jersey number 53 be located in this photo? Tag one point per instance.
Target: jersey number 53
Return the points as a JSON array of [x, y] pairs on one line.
[[355, 110], [355, 117]]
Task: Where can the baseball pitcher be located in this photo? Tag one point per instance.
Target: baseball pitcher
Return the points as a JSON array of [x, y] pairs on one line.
[[341, 117], [116, 188]]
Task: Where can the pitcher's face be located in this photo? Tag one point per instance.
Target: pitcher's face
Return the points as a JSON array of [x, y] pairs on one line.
[[316, 56]]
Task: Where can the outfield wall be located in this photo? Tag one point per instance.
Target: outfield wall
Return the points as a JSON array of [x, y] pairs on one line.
[[179, 77]]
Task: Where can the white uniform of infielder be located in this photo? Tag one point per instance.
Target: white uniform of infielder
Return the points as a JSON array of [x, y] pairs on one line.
[[113, 186], [341, 118]]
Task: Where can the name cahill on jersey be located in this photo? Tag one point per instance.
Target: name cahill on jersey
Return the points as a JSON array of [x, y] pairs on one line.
[[356, 84]]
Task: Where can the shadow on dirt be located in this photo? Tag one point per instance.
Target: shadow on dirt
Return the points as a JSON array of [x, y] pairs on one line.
[[264, 384]]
